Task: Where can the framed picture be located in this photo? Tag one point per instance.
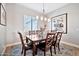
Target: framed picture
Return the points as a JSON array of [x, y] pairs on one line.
[[59, 23], [2, 15]]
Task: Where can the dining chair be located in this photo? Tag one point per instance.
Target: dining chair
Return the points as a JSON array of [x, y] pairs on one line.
[[47, 45], [54, 42], [26, 46], [59, 36]]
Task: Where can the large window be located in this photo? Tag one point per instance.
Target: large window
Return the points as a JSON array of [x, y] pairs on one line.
[[30, 23], [34, 23], [27, 23]]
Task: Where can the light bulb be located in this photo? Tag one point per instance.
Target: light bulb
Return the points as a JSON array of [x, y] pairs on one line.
[[48, 20], [45, 19], [37, 17], [41, 18]]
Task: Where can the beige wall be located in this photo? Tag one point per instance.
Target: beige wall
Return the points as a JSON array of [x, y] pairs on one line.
[[73, 22], [2, 36]]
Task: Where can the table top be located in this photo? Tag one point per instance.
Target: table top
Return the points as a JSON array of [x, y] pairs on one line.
[[34, 38]]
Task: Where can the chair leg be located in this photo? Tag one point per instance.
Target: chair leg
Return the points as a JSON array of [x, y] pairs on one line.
[[44, 53], [55, 49], [36, 51], [24, 52], [51, 50], [58, 47]]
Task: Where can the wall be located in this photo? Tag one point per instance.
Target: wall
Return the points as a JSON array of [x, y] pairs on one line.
[[15, 14], [72, 35], [2, 36]]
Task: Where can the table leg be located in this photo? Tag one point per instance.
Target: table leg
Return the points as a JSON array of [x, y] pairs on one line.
[[34, 47]]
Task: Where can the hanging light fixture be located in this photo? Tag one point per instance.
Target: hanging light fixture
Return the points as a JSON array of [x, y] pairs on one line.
[[43, 17]]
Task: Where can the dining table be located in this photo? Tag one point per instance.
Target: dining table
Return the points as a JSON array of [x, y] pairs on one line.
[[35, 39]]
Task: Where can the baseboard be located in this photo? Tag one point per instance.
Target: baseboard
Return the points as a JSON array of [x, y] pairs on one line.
[[13, 44], [70, 44], [3, 51]]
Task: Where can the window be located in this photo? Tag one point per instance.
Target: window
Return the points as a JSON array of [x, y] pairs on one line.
[[27, 23], [34, 23], [30, 23]]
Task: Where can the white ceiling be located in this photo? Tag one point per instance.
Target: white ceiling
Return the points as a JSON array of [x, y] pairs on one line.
[[49, 7]]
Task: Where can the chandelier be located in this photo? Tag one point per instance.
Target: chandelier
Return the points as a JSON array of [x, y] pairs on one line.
[[43, 17]]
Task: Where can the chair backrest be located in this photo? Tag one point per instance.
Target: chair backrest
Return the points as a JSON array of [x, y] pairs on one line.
[[58, 37], [21, 38], [32, 33], [49, 39]]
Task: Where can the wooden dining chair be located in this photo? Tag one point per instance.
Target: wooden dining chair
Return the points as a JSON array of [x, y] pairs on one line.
[[59, 35], [54, 42], [44, 46], [26, 46]]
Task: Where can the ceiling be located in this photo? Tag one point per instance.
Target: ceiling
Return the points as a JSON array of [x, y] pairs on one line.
[[48, 7]]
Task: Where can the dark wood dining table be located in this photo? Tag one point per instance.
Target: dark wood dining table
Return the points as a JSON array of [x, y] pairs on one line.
[[35, 39]]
